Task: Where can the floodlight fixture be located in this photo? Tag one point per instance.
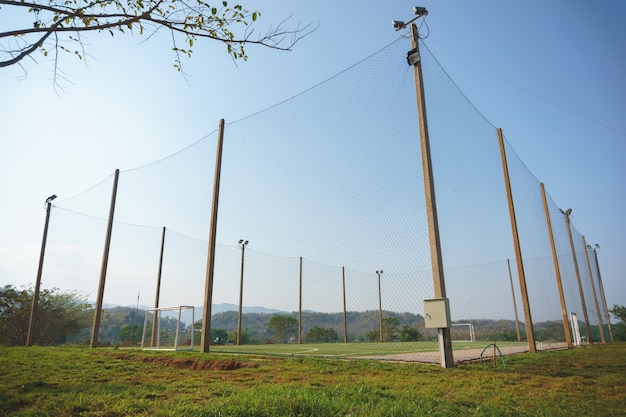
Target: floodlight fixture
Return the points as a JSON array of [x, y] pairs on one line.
[[417, 11], [52, 197], [420, 11], [240, 241], [245, 243], [413, 57]]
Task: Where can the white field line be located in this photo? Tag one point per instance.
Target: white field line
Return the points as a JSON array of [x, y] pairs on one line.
[[306, 351]]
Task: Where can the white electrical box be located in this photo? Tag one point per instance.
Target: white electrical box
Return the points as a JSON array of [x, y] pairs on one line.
[[437, 313]]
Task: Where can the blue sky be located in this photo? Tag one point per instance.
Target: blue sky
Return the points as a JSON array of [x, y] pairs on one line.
[[550, 74]]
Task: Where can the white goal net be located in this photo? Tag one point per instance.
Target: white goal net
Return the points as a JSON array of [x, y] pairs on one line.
[[165, 328]]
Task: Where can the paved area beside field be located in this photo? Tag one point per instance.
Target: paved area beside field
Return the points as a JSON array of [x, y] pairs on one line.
[[463, 355]]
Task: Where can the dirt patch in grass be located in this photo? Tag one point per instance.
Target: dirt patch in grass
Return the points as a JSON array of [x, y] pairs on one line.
[[215, 365]]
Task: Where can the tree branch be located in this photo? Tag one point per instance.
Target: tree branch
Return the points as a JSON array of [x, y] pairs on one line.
[[26, 52], [192, 21]]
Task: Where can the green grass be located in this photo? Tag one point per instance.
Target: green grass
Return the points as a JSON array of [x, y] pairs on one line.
[[339, 350], [40, 381]]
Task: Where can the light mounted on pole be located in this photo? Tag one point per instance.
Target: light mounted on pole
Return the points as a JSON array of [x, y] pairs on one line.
[[445, 342], [567, 215], [243, 245], [413, 56], [595, 248], [380, 309], [417, 11], [33, 311]]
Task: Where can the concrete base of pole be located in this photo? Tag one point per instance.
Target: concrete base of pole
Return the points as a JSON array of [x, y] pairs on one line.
[[445, 348]]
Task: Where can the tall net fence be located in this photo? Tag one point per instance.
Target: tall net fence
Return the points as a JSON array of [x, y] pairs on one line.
[[475, 222], [327, 187]]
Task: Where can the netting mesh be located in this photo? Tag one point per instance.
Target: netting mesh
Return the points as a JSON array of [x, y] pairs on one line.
[[332, 175]]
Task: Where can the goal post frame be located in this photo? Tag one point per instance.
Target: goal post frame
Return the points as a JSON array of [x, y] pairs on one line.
[[156, 317], [470, 326]]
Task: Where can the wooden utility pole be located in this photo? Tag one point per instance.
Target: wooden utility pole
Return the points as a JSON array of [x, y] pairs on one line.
[[576, 270], [593, 289], [380, 309], [444, 337], [243, 251], [530, 332], [606, 307], [519, 337], [95, 331], [345, 316], [557, 270], [205, 340], [300, 307], [158, 293], [32, 323]]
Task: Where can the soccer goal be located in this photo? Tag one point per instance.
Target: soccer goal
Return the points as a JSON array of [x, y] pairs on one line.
[[462, 332], [164, 328]]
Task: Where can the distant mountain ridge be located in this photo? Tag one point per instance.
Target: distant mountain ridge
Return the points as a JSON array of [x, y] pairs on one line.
[[215, 308], [360, 325]]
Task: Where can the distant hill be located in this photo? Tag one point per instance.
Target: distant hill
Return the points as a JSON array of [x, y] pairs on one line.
[[220, 308], [215, 309], [359, 323]]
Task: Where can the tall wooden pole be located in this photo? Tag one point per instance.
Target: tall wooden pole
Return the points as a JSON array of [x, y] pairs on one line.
[[380, 310], [443, 334], [557, 270], [345, 315], [243, 251], [593, 289], [95, 331], [519, 337], [300, 307], [606, 307], [35, 306], [530, 332], [158, 292], [576, 270], [205, 340]]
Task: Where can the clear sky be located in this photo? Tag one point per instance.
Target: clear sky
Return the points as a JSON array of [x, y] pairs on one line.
[[550, 74]]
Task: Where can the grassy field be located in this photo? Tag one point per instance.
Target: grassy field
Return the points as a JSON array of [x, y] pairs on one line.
[[40, 381], [339, 350]]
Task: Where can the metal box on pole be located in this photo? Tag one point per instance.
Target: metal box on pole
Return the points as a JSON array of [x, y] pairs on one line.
[[437, 313]]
